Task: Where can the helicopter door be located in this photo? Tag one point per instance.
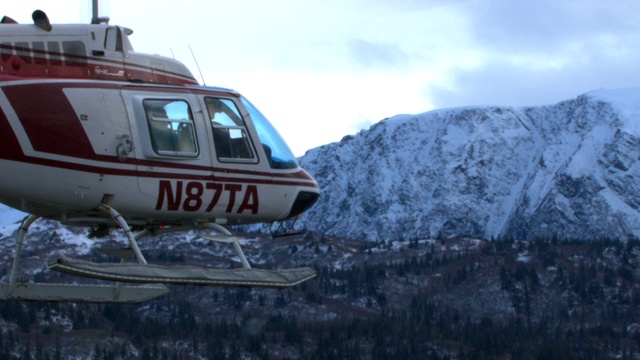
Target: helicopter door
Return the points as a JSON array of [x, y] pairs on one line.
[[169, 135], [232, 142]]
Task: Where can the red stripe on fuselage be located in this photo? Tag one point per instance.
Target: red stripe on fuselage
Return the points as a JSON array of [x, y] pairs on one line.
[[50, 64], [9, 145], [49, 119]]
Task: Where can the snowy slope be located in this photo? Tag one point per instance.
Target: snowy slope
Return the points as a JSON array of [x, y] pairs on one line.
[[569, 170]]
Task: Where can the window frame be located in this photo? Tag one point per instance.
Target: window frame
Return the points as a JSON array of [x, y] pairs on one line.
[[216, 127], [153, 131]]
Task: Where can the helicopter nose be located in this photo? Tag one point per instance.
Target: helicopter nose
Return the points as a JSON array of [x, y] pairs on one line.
[[303, 202]]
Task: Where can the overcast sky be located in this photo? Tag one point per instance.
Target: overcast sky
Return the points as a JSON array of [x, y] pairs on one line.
[[320, 70]]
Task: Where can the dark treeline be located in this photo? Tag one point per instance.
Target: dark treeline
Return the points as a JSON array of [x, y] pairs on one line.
[[592, 287]]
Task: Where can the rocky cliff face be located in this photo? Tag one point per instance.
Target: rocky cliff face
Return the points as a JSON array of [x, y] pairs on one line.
[[568, 170]]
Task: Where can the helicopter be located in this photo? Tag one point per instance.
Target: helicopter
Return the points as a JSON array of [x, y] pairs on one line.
[[95, 134]]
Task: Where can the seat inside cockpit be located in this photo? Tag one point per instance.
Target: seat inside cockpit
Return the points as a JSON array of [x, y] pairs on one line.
[[170, 133]]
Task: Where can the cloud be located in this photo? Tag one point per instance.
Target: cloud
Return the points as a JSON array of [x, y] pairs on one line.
[[371, 54], [534, 53], [546, 25], [514, 84]]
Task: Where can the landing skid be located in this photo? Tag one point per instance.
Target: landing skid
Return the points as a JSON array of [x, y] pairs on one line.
[[80, 293], [138, 273], [154, 277]]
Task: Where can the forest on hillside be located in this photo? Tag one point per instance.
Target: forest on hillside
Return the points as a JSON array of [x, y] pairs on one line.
[[554, 299]]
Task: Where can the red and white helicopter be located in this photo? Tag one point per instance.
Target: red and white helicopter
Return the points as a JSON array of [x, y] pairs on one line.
[[95, 134]]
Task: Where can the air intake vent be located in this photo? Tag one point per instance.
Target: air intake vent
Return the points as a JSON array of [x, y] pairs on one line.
[[303, 202]]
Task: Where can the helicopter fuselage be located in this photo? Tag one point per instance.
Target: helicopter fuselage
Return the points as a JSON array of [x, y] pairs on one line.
[[85, 120], [157, 153]]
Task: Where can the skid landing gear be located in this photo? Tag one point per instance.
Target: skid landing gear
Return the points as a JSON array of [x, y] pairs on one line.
[[152, 276], [117, 293]]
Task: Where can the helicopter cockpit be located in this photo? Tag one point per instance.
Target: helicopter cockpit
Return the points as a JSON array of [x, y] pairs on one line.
[[231, 137], [279, 153]]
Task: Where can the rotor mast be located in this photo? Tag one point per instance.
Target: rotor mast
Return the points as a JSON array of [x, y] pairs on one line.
[[96, 19]]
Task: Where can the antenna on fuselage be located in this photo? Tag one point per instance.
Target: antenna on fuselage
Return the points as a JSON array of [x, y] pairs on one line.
[[96, 19], [198, 66]]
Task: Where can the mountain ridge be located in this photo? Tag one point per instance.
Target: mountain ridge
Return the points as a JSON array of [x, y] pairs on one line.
[[566, 170]]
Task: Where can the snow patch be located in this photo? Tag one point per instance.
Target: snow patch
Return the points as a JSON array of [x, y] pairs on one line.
[[626, 102], [524, 257]]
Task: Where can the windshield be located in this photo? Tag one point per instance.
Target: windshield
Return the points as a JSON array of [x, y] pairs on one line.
[[278, 153]]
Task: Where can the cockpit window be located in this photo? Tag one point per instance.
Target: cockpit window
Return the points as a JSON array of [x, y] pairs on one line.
[[230, 137], [171, 127], [278, 153]]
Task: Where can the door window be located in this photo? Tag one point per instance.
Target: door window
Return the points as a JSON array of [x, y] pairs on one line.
[[231, 142], [171, 127]]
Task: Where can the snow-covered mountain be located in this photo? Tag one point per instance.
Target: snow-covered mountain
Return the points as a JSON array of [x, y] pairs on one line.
[[568, 169]]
